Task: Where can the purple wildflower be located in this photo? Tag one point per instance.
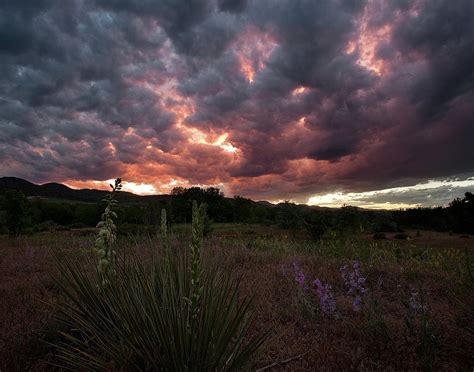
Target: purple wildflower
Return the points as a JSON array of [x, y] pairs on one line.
[[356, 304], [327, 301], [355, 283], [299, 277], [415, 303]]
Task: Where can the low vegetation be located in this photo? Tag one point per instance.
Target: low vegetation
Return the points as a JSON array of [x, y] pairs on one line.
[[26, 213], [175, 313], [178, 300]]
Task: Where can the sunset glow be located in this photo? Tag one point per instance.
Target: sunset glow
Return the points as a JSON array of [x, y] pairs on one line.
[[196, 136], [298, 91], [368, 39], [247, 69], [320, 102], [140, 188], [253, 49], [373, 199]]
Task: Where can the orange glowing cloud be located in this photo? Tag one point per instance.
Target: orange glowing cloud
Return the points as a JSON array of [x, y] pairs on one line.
[[200, 137], [253, 49], [367, 40], [298, 91]]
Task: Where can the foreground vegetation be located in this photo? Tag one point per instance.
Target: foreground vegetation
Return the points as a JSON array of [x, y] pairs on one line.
[[177, 312], [333, 298], [411, 306]]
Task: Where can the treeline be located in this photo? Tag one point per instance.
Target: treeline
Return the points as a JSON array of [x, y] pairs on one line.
[[19, 214], [457, 217]]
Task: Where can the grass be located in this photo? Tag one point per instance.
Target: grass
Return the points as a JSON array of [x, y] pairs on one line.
[[178, 312], [375, 338]]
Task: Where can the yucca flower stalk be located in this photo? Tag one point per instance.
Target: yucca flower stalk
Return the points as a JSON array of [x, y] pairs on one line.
[[106, 238], [181, 314], [198, 214], [165, 240]]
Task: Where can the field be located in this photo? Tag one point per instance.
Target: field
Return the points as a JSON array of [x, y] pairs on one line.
[[415, 313]]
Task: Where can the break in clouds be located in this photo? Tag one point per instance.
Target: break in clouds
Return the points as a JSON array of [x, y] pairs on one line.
[[263, 98]]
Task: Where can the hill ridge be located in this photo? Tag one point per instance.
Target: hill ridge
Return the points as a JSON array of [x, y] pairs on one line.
[[61, 191]]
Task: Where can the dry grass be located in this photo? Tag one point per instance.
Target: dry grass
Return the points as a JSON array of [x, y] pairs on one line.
[[257, 256]]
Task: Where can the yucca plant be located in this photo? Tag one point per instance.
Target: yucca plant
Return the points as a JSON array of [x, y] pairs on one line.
[[179, 313], [106, 238]]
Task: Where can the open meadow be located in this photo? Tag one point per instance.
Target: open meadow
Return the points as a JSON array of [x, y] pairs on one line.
[[347, 302]]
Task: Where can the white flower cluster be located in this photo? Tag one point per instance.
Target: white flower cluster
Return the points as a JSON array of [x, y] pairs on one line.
[[106, 238]]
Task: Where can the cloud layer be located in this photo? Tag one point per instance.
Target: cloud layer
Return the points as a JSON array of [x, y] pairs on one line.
[[267, 99]]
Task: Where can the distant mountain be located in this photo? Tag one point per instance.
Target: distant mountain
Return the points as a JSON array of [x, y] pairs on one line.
[[18, 184], [60, 191], [265, 203]]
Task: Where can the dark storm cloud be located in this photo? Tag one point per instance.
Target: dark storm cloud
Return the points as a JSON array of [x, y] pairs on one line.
[[193, 26], [15, 24], [443, 32], [233, 6], [309, 95], [312, 36]]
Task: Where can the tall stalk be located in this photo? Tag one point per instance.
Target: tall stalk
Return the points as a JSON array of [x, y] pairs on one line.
[[106, 266], [183, 315], [196, 265], [165, 241]]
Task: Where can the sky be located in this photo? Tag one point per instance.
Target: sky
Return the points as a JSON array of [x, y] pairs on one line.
[[327, 102]]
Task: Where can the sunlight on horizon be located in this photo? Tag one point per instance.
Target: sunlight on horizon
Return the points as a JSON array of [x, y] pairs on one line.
[[366, 199], [133, 187]]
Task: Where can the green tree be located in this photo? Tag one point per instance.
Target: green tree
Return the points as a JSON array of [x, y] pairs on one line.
[[16, 207], [289, 216]]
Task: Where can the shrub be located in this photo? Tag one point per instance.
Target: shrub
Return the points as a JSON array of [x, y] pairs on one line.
[[379, 236], [465, 322], [45, 226], [207, 225], [16, 208], [375, 326], [78, 225], [177, 313], [288, 216], [401, 236], [419, 329], [315, 226]]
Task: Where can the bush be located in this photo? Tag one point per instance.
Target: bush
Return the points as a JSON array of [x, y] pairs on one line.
[[379, 236], [78, 225], [16, 207], [177, 313], [45, 226], [207, 225], [316, 228], [401, 236], [128, 229], [288, 216]]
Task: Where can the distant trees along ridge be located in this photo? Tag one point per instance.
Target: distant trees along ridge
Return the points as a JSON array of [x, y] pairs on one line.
[[20, 214]]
